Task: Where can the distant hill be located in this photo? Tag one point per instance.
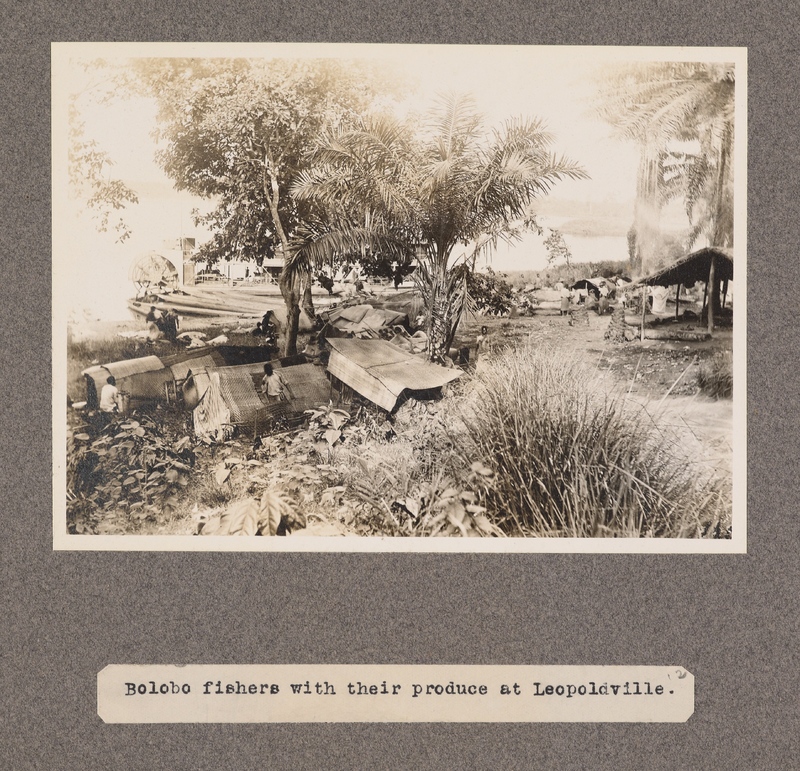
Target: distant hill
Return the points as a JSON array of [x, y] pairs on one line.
[[611, 217], [596, 226], [563, 208]]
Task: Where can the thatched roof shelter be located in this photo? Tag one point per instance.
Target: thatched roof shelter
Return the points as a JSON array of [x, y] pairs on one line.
[[692, 268], [711, 265], [591, 284]]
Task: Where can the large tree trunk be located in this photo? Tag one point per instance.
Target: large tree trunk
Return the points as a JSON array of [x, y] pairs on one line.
[[291, 295], [724, 193], [290, 286], [308, 302], [437, 295], [438, 326]]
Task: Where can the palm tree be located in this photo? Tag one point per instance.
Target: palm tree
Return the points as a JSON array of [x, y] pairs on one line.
[[354, 197], [451, 185], [659, 105]]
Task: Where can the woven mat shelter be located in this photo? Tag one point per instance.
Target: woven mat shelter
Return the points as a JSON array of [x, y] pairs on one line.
[[364, 319], [146, 377], [380, 371], [232, 396], [142, 378]]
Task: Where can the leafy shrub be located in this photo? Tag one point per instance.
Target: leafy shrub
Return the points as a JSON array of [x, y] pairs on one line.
[[126, 473], [325, 427], [715, 376], [569, 462], [526, 303], [490, 292], [275, 514]]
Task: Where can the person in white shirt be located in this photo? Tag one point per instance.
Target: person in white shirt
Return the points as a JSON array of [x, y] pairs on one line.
[[109, 396], [273, 386], [566, 298]]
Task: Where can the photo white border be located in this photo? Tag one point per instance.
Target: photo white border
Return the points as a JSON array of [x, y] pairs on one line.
[[60, 54]]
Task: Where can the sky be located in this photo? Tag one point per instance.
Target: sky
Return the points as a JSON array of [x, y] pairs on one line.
[[557, 85]]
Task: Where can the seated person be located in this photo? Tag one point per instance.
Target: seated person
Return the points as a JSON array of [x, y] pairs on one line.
[[109, 396], [273, 385]]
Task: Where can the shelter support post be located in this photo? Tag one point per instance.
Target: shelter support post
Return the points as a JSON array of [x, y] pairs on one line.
[[711, 286], [677, 301], [705, 295], [644, 310]]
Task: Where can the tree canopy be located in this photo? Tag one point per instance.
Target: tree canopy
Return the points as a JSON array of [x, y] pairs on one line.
[[238, 131], [453, 183], [682, 116], [89, 168], [298, 165]]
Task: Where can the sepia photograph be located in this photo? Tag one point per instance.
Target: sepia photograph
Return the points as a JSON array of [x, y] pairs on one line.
[[426, 298]]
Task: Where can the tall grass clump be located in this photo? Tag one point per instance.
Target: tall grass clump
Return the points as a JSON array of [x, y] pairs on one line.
[[715, 377], [571, 461]]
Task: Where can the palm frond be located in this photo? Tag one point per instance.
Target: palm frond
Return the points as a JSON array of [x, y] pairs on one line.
[[314, 247]]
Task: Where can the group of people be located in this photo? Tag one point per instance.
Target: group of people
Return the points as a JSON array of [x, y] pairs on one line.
[[599, 302], [160, 324], [350, 278]]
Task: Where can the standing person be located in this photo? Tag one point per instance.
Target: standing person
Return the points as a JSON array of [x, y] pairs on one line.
[[155, 323], [268, 329], [482, 343], [170, 325], [109, 396], [397, 274], [602, 303], [565, 299], [273, 385]]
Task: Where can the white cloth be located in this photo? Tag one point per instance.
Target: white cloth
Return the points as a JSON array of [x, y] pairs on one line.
[[108, 398], [660, 294]]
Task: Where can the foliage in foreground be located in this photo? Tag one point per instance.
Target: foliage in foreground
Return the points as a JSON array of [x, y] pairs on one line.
[[715, 377], [124, 474], [522, 447], [570, 462]]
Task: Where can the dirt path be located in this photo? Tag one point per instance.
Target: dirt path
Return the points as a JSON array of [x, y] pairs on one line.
[[658, 376]]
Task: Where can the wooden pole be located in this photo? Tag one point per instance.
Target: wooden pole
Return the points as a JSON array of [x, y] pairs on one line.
[[724, 291], [644, 309], [711, 288], [677, 301], [705, 294]]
